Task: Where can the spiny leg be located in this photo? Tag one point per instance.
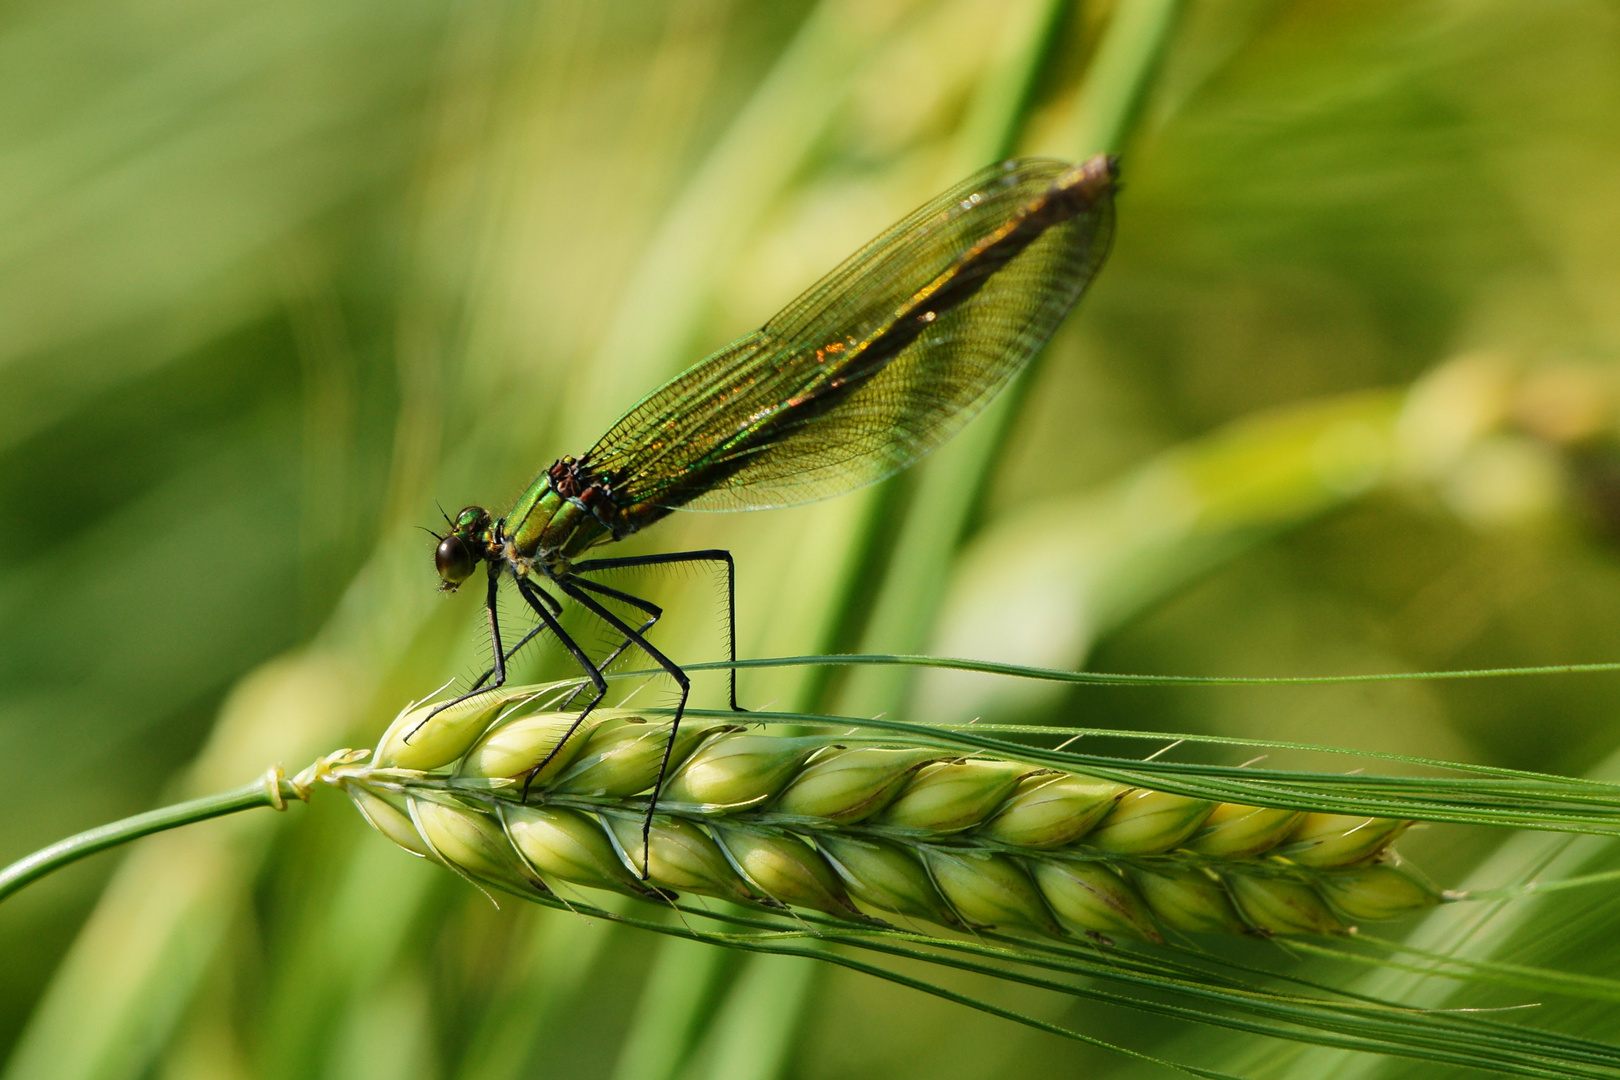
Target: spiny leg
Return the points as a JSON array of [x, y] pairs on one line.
[[651, 610], [556, 609], [719, 555], [533, 596], [585, 599], [498, 670]]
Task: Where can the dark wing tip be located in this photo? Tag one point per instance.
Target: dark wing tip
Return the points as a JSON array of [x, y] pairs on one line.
[[1089, 181]]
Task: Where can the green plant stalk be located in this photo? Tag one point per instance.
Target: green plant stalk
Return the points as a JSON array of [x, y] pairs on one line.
[[1000, 107], [1121, 74], [48, 860], [273, 790], [745, 1037]]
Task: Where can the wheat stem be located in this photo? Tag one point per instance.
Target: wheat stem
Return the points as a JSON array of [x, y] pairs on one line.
[[273, 790], [47, 860]]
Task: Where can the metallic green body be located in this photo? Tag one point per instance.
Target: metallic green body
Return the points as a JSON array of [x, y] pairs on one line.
[[546, 527]]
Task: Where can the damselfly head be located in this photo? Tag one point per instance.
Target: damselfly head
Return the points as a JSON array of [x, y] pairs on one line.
[[458, 554]]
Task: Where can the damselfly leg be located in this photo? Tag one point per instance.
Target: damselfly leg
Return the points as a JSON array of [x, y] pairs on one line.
[[548, 608], [646, 607], [585, 600], [711, 555]]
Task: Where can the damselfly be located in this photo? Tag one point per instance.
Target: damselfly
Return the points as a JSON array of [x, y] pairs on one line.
[[873, 367]]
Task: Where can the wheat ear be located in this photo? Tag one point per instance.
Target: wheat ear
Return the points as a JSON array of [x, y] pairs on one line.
[[865, 828]]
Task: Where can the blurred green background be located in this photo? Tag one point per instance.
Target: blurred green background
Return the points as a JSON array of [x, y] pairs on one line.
[[276, 278]]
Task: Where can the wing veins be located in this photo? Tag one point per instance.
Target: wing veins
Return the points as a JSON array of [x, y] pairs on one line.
[[715, 423]]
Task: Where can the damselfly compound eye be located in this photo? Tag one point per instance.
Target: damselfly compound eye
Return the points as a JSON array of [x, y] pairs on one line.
[[454, 560]]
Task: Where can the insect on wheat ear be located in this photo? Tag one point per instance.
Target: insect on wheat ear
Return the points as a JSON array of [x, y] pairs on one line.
[[930, 320]]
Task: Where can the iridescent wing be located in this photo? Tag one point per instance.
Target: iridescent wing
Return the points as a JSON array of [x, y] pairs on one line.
[[880, 361]]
